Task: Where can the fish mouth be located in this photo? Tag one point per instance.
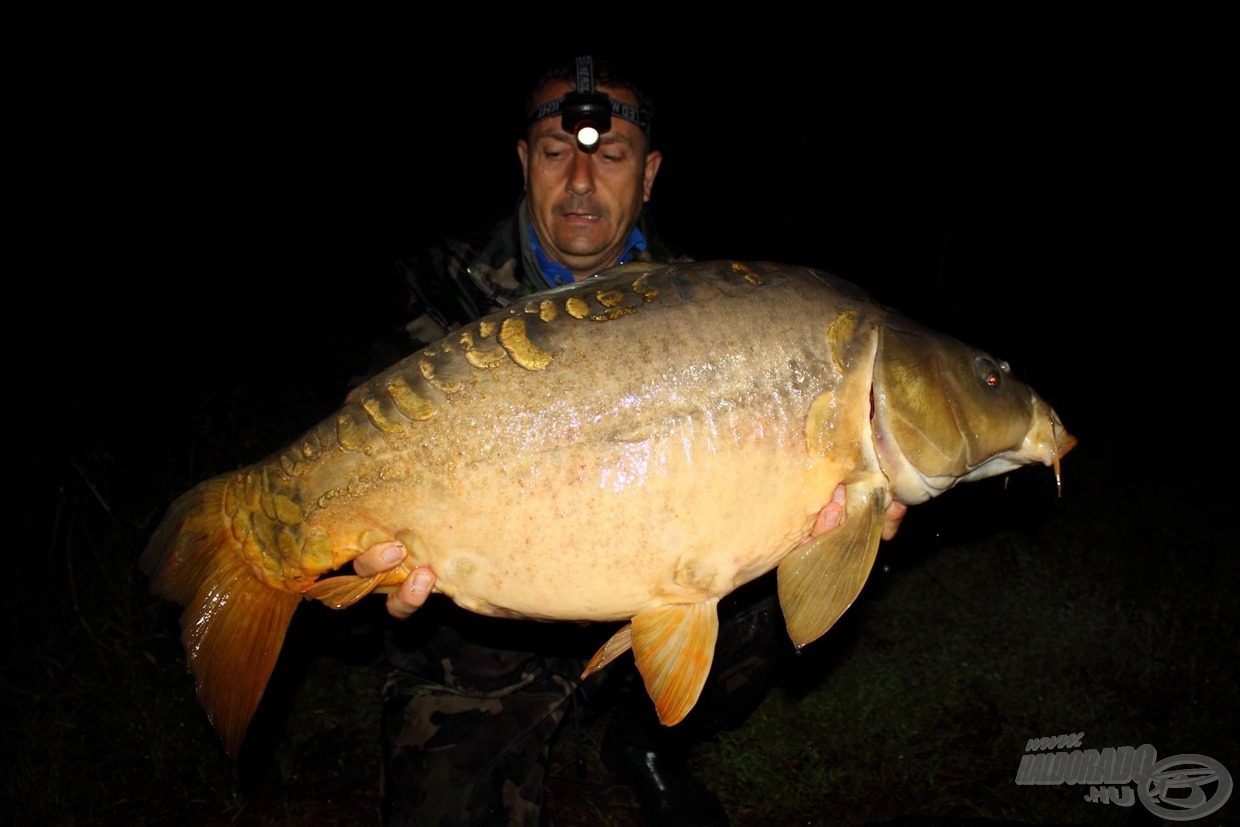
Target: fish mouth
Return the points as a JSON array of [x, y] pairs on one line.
[[1046, 442]]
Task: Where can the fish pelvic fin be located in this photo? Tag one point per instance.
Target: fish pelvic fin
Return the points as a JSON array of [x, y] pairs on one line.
[[674, 647], [616, 645], [819, 580], [232, 624]]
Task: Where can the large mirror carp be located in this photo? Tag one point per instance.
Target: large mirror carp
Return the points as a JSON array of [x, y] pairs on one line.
[[631, 448]]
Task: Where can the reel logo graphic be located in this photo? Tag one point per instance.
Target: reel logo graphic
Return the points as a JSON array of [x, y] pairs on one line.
[[1179, 788], [1181, 773]]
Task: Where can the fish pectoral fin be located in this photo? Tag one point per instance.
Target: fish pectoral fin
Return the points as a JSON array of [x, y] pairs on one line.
[[674, 647], [344, 590], [616, 645], [821, 579]]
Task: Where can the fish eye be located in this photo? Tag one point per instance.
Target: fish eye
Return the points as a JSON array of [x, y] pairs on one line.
[[992, 372]]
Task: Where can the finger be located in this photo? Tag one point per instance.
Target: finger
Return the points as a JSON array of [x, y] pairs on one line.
[[892, 517], [402, 603], [831, 515], [379, 557]]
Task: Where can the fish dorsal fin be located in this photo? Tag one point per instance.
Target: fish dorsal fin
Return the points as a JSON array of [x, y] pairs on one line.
[[674, 647], [344, 590], [820, 580], [616, 645]]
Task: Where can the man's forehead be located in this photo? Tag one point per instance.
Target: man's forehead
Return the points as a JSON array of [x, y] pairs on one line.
[[552, 131]]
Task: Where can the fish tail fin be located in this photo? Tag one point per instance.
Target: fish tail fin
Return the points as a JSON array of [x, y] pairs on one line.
[[233, 623]]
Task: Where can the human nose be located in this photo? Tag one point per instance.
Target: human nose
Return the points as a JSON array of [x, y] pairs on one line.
[[581, 175]]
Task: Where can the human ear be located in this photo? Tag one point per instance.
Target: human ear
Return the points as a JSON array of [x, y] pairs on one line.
[[523, 153], [653, 159]]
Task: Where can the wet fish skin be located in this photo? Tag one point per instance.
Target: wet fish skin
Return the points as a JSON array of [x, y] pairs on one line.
[[629, 448]]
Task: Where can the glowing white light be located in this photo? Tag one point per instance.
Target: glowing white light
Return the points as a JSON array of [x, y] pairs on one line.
[[587, 136]]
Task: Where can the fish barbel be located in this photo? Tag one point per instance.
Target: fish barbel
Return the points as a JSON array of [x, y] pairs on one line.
[[632, 447]]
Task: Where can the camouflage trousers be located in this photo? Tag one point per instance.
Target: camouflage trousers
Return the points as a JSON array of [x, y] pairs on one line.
[[469, 711], [472, 704]]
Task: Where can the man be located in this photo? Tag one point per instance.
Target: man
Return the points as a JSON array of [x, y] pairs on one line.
[[472, 703]]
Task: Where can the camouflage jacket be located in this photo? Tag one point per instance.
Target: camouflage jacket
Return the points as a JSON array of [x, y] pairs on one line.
[[457, 281]]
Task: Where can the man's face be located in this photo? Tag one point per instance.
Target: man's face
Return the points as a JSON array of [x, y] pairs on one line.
[[584, 204]]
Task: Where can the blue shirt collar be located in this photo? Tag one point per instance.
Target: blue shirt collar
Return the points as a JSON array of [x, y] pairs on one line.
[[556, 274]]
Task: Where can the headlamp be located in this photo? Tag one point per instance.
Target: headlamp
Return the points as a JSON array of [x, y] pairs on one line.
[[587, 114]]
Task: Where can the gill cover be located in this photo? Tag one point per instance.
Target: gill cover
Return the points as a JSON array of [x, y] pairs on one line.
[[945, 413]]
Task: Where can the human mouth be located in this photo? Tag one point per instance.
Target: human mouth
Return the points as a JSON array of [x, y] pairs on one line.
[[585, 213]]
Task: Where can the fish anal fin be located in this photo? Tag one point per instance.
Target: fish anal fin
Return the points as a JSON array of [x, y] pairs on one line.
[[342, 591], [820, 580], [616, 645], [674, 646]]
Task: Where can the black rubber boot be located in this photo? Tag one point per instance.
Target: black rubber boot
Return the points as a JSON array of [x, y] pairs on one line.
[[651, 757]]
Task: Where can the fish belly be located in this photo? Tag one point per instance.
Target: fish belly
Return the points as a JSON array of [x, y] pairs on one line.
[[604, 531]]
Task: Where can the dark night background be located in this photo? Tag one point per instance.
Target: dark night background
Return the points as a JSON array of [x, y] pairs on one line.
[[216, 217], [235, 203]]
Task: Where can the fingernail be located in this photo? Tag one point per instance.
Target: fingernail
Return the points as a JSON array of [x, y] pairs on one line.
[[421, 582], [391, 554]]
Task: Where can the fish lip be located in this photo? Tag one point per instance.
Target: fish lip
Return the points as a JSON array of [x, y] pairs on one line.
[[1055, 440]]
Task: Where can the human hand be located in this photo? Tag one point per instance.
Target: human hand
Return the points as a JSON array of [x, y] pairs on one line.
[[832, 515], [404, 601]]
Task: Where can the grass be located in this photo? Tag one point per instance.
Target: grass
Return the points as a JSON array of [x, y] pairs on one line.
[[998, 615]]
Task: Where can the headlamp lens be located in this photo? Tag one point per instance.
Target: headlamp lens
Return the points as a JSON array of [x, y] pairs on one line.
[[587, 136]]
